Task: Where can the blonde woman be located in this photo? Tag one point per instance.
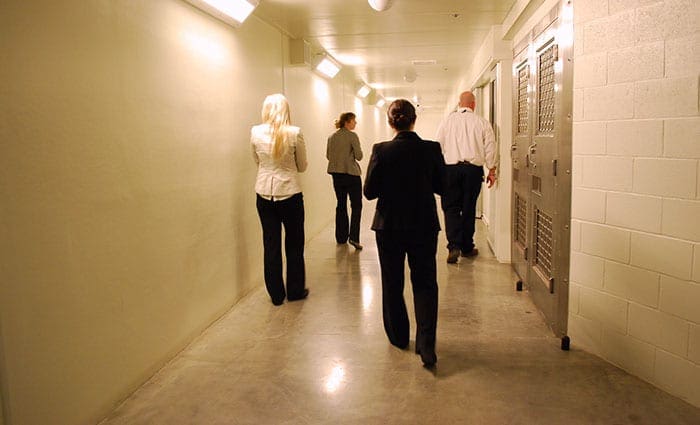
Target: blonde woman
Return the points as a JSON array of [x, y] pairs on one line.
[[343, 151], [280, 153]]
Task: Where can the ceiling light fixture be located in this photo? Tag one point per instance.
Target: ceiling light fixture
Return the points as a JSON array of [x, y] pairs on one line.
[[364, 90], [232, 12], [381, 102], [328, 67], [410, 75], [380, 5]]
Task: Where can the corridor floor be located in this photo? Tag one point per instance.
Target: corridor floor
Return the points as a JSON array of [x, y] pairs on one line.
[[326, 360]]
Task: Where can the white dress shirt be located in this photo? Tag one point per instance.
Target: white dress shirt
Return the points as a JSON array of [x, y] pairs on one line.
[[466, 136], [278, 180]]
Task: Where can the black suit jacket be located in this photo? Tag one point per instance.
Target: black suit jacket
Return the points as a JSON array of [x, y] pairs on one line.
[[404, 174]]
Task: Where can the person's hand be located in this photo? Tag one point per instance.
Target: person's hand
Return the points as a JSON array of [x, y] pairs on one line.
[[491, 178]]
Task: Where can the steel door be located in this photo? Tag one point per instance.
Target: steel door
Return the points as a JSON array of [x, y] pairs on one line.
[[541, 165]]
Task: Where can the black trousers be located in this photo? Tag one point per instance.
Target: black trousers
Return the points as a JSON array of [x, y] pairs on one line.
[[273, 215], [347, 185], [459, 204], [393, 248]]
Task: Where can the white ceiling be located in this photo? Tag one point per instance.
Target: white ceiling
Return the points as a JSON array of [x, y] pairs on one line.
[[381, 46]]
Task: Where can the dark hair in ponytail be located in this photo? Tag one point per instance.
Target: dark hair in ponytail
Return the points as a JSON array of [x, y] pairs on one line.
[[344, 118], [401, 114]]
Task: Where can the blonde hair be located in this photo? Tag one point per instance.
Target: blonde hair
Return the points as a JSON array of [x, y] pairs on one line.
[[275, 113]]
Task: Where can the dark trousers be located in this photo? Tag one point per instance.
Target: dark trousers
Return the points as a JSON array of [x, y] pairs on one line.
[[273, 215], [393, 248], [459, 204], [347, 185]]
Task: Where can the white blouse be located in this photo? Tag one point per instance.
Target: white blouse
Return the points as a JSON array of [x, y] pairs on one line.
[[278, 180]]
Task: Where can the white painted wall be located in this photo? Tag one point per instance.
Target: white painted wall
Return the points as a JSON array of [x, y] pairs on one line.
[[128, 222], [635, 258]]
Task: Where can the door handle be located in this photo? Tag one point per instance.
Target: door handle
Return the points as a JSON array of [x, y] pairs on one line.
[[531, 150]]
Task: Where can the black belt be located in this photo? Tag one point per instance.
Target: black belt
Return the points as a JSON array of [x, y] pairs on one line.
[[467, 163]]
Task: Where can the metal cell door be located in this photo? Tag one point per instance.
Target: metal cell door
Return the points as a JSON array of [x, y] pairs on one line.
[[541, 155]]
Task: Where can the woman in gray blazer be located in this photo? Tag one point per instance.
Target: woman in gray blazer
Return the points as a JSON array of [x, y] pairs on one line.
[[343, 152]]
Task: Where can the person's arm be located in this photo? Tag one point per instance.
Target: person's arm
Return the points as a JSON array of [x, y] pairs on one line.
[[255, 152], [440, 135], [373, 177], [328, 148], [490, 153], [356, 148], [300, 153], [440, 176]]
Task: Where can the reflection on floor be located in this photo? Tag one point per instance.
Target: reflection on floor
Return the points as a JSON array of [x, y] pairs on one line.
[[326, 360]]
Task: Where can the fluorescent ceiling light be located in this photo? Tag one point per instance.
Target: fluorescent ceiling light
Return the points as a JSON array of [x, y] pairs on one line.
[[364, 90], [328, 67], [233, 12]]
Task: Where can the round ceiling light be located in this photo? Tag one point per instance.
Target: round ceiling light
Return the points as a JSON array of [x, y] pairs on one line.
[[410, 75], [380, 5]]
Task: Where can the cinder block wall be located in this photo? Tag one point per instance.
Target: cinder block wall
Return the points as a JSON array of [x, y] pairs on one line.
[[635, 260]]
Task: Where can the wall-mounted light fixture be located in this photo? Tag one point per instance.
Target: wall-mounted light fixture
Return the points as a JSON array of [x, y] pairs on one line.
[[328, 66], [232, 12], [364, 90]]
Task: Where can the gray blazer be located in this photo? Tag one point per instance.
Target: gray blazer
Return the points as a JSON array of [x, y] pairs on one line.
[[343, 152]]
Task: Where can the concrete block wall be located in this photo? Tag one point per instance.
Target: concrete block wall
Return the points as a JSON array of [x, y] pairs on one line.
[[635, 249]]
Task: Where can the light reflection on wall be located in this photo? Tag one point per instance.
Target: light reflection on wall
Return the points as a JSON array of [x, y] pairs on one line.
[[358, 105], [335, 378], [320, 87], [205, 47]]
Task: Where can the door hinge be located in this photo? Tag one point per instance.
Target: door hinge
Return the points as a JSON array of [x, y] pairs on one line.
[[525, 253], [555, 52], [554, 167], [551, 285]]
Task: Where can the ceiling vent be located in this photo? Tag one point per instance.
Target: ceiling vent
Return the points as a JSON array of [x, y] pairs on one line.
[[420, 62]]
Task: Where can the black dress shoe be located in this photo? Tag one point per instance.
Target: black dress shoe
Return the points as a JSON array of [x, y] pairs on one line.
[[428, 356], [473, 253], [303, 295], [453, 256], [355, 244], [278, 302]]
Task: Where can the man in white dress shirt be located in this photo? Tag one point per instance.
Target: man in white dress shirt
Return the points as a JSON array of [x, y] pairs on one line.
[[468, 144]]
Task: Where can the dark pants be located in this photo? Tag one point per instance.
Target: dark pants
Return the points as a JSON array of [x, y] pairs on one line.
[[393, 248], [273, 215], [347, 185], [459, 204]]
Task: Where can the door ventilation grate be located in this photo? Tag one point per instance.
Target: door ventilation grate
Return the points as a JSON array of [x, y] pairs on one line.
[[546, 92], [543, 243], [523, 80], [520, 222]]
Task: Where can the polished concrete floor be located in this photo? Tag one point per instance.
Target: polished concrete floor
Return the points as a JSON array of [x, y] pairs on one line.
[[326, 360]]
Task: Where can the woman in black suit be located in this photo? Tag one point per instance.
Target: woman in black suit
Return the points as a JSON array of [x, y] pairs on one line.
[[404, 174]]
